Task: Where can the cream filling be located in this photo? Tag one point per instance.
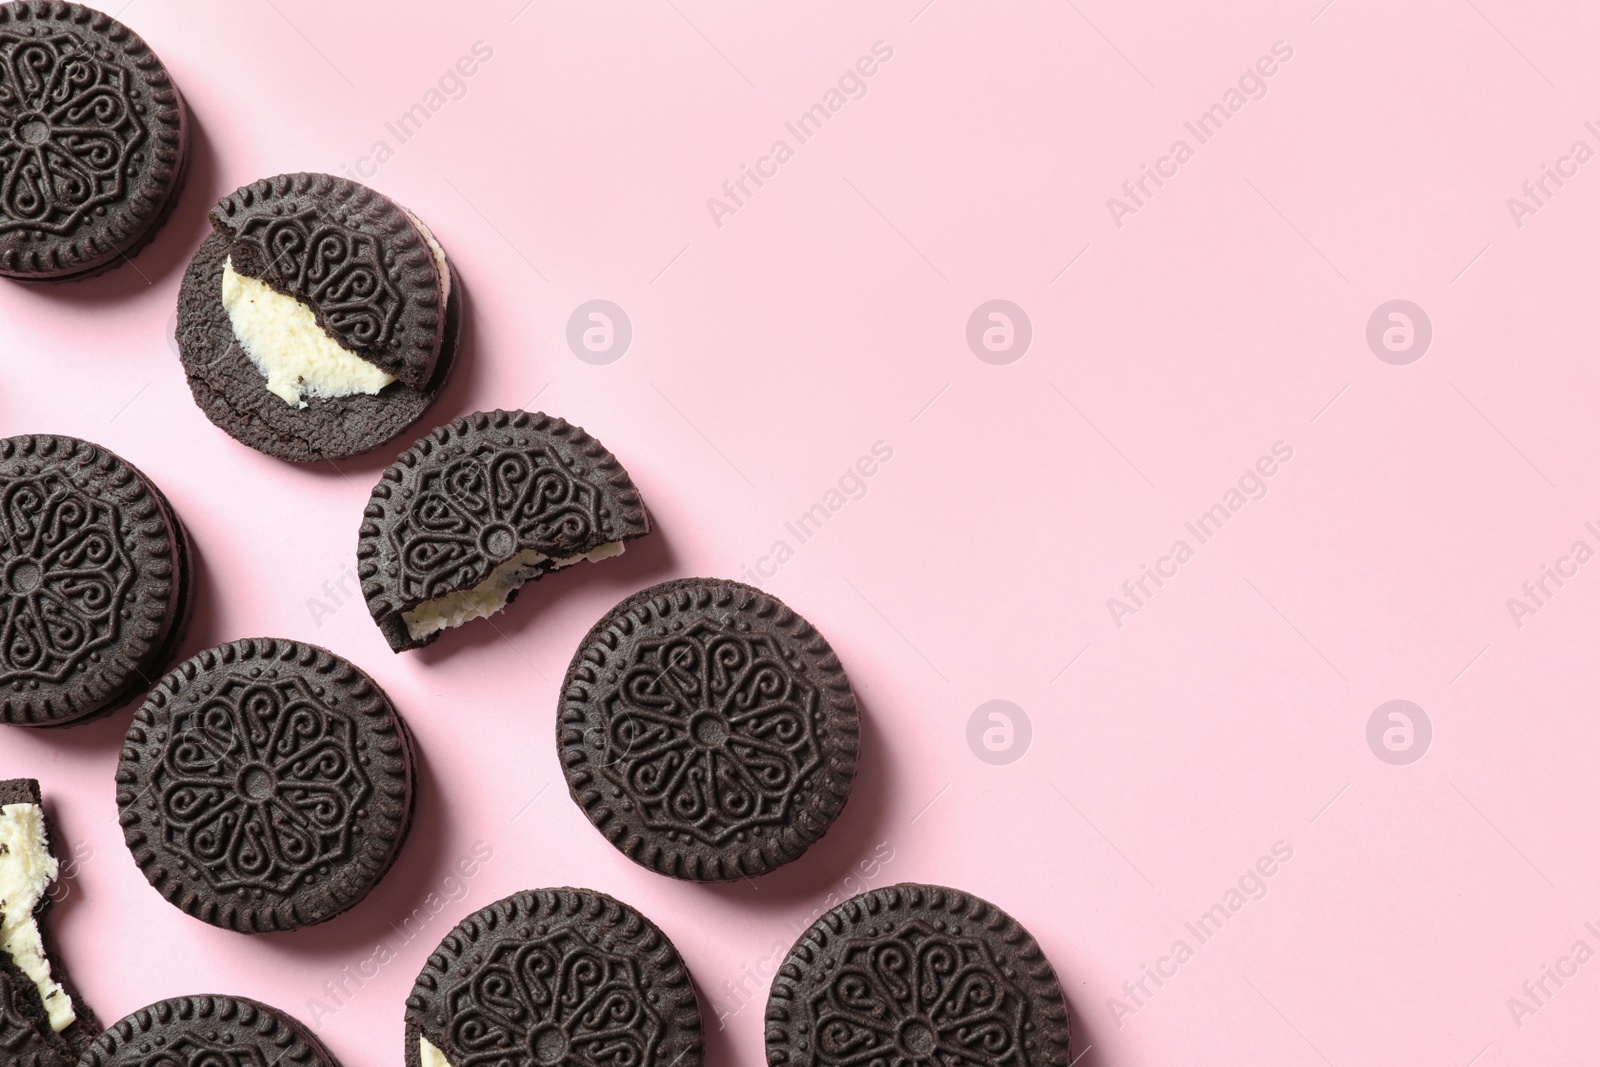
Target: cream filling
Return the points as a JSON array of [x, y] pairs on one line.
[[430, 1056], [281, 336], [26, 871], [491, 594]]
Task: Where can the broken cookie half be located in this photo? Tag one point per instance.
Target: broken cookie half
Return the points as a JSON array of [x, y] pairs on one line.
[[476, 509], [42, 1023], [319, 319]]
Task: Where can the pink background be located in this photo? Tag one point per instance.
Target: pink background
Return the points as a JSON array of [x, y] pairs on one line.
[[829, 313]]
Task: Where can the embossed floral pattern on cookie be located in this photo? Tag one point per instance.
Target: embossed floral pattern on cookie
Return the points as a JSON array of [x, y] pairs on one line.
[[265, 785], [94, 580], [707, 730], [558, 978]]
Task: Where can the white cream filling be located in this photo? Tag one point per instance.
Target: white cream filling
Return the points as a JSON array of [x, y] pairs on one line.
[[430, 1056], [281, 336], [26, 871], [491, 594]]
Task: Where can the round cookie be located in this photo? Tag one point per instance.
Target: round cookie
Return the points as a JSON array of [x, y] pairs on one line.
[[554, 976], [266, 785], [479, 507], [94, 580], [207, 1031], [318, 319], [917, 974], [93, 142], [707, 730]]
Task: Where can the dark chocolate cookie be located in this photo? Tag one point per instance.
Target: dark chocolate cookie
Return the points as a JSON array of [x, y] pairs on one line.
[[707, 730], [553, 976], [94, 580], [915, 975], [208, 1031], [93, 141], [43, 1023], [318, 320], [475, 509], [265, 785]]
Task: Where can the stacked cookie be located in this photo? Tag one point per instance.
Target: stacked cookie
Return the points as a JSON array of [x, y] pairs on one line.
[[94, 142], [95, 580]]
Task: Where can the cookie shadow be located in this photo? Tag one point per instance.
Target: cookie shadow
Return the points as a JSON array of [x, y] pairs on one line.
[[717, 1036], [405, 904], [449, 405], [839, 863], [169, 249], [646, 561], [1083, 1046], [203, 629]]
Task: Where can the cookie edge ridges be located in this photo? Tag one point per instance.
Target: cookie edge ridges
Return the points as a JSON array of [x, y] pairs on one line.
[[572, 902], [1047, 993], [285, 916], [83, 255], [788, 846], [150, 520], [271, 1023]]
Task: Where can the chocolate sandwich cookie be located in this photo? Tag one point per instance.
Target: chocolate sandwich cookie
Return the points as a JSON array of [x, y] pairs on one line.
[[479, 507], [265, 785], [318, 319], [94, 141], [43, 1023], [208, 1031], [553, 976], [915, 975], [707, 730], [94, 581]]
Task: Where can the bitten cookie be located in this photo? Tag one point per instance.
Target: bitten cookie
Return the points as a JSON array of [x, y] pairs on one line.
[[208, 1031], [477, 508], [94, 142], [94, 581], [265, 785], [916, 974], [707, 730], [42, 1022], [554, 976], [318, 320]]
